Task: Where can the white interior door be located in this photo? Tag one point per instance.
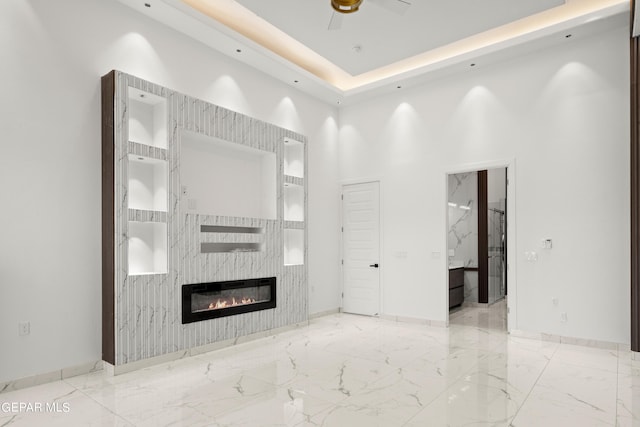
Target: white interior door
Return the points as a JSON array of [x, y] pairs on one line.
[[361, 248]]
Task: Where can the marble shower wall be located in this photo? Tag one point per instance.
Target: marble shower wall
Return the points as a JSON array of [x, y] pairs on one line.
[[148, 318], [463, 227], [496, 200]]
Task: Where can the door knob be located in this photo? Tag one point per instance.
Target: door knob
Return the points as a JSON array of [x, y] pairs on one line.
[[373, 265]]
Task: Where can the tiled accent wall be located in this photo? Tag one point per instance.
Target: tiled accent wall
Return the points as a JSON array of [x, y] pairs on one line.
[[148, 307]]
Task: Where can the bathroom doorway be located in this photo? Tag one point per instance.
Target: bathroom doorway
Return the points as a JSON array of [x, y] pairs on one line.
[[477, 239], [496, 233]]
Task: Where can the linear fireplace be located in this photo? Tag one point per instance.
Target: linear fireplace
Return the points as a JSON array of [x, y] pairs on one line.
[[202, 301]]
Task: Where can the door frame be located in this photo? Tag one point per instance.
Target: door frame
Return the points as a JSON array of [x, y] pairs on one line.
[[380, 234], [512, 295]]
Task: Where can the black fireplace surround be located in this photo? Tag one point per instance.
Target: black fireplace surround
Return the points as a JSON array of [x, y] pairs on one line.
[[202, 301]]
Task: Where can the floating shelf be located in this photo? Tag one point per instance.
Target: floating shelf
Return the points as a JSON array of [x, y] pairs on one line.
[[147, 183], [293, 158], [230, 229], [293, 247], [207, 248], [147, 118], [147, 248]]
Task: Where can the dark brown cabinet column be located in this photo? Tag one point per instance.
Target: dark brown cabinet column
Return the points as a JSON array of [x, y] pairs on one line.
[[635, 191], [108, 221], [483, 238]]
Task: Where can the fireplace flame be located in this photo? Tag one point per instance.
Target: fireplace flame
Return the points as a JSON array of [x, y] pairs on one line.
[[224, 303]]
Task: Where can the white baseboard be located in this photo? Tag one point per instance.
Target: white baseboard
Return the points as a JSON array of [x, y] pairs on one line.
[[324, 313], [605, 345], [414, 320], [47, 377]]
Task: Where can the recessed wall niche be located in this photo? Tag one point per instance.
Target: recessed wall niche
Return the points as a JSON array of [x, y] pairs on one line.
[[147, 244], [147, 118], [293, 247], [147, 183], [293, 158], [219, 177], [293, 202]]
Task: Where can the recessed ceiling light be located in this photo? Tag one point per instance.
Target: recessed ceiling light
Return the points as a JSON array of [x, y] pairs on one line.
[[295, 81], [472, 65], [140, 158], [339, 102], [250, 25], [239, 50], [147, 5], [398, 87], [568, 36], [142, 95]]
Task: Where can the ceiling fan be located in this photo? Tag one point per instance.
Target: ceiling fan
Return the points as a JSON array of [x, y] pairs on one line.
[[342, 7]]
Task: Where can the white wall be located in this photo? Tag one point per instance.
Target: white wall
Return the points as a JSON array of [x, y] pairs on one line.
[[53, 54], [563, 115]]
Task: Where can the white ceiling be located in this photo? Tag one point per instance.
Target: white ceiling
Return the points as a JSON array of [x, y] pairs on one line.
[[385, 37], [290, 40]]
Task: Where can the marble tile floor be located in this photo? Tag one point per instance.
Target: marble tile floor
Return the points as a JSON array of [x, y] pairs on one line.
[[347, 370]]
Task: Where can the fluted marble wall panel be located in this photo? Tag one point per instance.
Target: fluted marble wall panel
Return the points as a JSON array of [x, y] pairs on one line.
[[148, 307]]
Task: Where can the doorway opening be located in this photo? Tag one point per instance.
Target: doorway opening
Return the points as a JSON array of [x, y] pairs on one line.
[[477, 244]]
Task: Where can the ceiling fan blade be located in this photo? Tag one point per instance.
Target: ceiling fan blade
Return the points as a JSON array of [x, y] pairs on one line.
[[336, 21], [395, 6]]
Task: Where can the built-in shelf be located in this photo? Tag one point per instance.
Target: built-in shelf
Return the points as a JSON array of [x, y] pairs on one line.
[[235, 247], [293, 202], [147, 118], [293, 180], [293, 247], [147, 248], [144, 150], [139, 215], [298, 225], [147, 183], [293, 158]]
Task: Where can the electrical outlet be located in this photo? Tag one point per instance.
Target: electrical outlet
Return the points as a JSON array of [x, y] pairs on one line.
[[24, 328], [554, 300], [563, 317]]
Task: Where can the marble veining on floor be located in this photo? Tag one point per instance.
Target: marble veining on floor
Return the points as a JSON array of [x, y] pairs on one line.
[[346, 370]]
